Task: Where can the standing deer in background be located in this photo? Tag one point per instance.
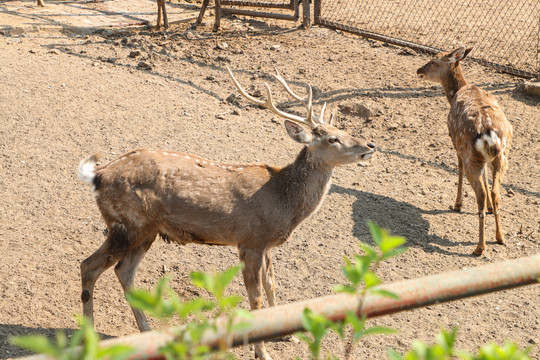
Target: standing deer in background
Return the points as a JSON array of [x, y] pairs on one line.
[[480, 132], [161, 9], [188, 199]]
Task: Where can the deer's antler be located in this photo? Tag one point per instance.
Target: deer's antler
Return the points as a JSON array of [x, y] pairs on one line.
[[311, 120]]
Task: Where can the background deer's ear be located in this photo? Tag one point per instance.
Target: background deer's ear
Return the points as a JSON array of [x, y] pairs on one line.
[[297, 133], [459, 54]]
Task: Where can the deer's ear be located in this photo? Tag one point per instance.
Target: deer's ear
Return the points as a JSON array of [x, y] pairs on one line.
[[297, 133], [459, 54]]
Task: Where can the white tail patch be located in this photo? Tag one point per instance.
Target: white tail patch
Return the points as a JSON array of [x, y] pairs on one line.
[[87, 170], [486, 141]]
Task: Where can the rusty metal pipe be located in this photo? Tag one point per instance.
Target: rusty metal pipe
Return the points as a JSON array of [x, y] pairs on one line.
[[286, 319]]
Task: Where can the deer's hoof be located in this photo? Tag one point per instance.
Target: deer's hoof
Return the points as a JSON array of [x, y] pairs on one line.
[[456, 207], [478, 251]]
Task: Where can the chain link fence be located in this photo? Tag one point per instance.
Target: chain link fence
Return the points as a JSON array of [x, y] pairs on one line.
[[505, 34]]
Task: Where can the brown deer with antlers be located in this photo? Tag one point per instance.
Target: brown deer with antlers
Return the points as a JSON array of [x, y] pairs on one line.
[[480, 132], [188, 199]]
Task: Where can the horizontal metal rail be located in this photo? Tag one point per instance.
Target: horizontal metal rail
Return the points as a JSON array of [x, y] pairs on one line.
[[286, 319]]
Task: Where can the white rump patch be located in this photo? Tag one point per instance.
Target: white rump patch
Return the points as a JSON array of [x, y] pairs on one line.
[[490, 140]]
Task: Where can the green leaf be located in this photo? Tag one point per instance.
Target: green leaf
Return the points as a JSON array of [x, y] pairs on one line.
[[377, 330], [390, 242], [394, 355], [116, 352], [384, 293], [371, 279], [370, 252], [393, 253], [344, 289], [377, 233], [35, 343]]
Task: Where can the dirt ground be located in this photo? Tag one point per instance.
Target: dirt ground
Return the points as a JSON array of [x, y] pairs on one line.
[[64, 97]]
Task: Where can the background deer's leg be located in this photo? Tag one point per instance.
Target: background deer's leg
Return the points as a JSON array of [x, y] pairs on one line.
[[498, 172], [91, 268], [475, 177], [488, 196], [252, 271], [125, 271], [459, 198]]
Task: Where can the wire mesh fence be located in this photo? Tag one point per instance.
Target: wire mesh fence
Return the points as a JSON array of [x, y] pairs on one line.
[[505, 34]]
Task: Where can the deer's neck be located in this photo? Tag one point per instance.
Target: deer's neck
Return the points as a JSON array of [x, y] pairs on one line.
[[303, 185], [453, 82]]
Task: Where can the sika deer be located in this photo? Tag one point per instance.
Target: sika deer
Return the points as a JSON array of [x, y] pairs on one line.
[[480, 132], [188, 199]]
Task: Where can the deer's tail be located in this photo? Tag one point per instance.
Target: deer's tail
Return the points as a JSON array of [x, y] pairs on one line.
[[87, 168]]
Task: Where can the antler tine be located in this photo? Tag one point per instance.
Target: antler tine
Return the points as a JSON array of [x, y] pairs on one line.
[[269, 103], [318, 119], [243, 92], [307, 101]]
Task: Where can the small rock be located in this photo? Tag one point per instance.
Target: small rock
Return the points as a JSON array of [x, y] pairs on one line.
[[233, 99], [134, 54], [54, 51], [275, 47], [510, 192], [532, 341], [407, 52], [222, 46], [355, 109], [32, 51], [223, 59], [142, 65]]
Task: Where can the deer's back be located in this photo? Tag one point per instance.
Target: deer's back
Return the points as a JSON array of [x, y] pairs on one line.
[[475, 112]]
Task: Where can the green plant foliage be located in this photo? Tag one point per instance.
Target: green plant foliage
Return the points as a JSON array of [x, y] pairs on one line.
[[83, 345], [163, 303], [444, 349], [362, 280]]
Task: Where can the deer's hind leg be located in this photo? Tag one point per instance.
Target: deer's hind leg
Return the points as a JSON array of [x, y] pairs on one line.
[[459, 197], [125, 271], [498, 169], [488, 196], [475, 177], [108, 254]]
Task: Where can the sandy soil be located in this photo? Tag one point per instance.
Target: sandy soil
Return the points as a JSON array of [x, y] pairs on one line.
[[63, 97]]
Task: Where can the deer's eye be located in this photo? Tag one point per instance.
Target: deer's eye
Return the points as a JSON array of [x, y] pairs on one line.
[[333, 140]]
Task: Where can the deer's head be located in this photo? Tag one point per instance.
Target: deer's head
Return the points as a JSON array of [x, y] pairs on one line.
[[329, 144], [443, 64]]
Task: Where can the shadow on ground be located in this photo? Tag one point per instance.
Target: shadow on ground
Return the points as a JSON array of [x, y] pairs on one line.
[[401, 218], [7, 350]]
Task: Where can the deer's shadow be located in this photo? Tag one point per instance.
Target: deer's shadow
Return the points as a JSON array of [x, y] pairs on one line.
[[400, 218], [7, 331]]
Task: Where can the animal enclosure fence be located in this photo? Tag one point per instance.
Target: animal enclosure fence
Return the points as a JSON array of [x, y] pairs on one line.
[[505, 34], [234, 8]]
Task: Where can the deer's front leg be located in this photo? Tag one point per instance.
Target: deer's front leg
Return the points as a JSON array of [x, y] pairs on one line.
[[252, 272]]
